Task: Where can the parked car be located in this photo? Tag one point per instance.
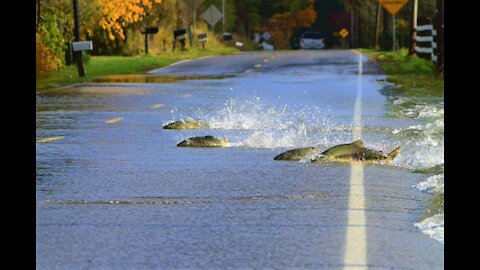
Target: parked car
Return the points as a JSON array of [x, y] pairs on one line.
[[312, 40]]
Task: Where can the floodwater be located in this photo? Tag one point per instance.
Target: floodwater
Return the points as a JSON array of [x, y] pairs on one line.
[[114, 191]]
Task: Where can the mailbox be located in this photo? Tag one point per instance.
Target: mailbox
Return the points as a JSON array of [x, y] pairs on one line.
[[82, 46], [150, 30], [180, 34], [202, 38], [227, 36]]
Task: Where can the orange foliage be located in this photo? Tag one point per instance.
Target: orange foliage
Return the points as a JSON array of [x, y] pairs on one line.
[[118, 14], [282, 25], [45, 59]]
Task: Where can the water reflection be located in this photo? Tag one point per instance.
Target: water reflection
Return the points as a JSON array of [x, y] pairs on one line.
[[152, 78]]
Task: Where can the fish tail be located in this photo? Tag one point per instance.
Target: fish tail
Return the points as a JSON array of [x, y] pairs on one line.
[[394, 153]]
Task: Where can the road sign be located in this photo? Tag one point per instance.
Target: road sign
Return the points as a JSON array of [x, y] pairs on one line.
[[343, 33], [194, 4], [212, 15], [393, 6]]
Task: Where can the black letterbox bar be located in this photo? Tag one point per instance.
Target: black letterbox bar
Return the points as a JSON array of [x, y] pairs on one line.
[[179, 32], [150, 30]]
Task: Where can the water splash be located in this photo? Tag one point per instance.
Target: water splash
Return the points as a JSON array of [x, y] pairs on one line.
[[422, 144], [257, 124], [433, 185], [268, 126], [424, 152], [433, 227]]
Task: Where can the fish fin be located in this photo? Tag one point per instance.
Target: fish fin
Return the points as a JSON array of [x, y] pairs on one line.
[[318, 159], [358, 143], [394, 153]]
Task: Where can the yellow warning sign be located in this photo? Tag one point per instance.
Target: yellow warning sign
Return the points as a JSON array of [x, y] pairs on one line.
[[393, 6], [343, 33]]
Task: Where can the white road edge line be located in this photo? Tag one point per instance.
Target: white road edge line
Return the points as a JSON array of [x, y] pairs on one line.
[[173, 64], [176, 63], [356, 236]]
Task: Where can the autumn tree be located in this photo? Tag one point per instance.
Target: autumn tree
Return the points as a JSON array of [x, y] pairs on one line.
[[117, 15], [282, 25]]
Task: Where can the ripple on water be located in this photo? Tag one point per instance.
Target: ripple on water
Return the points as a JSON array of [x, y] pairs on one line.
[[433, 227], [423, 152]]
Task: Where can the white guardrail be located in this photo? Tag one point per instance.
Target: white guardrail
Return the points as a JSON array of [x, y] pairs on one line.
[[425, 42]]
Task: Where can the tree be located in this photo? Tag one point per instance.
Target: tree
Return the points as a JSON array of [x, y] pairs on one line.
[[280, 17], [117, 15], [282, 25]]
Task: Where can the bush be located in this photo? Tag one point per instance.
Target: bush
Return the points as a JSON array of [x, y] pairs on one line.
[[50, 45], [50, 31], [85, 57], [46, 60]]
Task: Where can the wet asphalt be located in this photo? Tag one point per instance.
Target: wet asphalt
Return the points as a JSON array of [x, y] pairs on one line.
[[114, 192]]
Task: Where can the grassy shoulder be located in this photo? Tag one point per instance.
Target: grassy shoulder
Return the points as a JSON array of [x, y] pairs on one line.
[[411, 75], [99, 66]]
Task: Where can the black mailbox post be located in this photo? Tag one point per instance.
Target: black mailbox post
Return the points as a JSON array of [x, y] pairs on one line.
[[149, 30], [180, 35]]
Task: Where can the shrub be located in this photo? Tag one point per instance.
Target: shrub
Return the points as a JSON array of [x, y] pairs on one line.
[[46, 60], [51, 33]]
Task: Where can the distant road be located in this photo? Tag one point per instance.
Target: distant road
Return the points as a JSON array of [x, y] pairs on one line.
[[260, 62]]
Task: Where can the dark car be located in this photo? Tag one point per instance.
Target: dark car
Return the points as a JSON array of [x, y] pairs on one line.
[[312, 40]]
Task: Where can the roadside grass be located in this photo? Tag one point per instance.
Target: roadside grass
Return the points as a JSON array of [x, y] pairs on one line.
[[411, 75], [99, 66]]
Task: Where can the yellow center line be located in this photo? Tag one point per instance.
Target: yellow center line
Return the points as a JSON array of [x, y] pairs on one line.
[[114, 120], [51, 139], [157, 106], [356, 236], [258, 65]]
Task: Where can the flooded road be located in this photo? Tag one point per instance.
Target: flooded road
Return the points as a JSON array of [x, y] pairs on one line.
[[114, 191]]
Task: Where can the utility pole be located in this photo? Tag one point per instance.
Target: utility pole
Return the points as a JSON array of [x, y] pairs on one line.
[[377, 24], [76, 33], [393, 26], [223, 11], [146, 44], [351, 29], [413, 27], [385, 31], [194, 22], [439, 27], [39, 15]]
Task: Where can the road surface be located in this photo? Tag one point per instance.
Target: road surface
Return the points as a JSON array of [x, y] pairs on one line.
[[114, 191]]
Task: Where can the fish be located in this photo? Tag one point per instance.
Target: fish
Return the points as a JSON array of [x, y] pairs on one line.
[[355, 151], [186, 124], [205, 141], [297, 154]]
